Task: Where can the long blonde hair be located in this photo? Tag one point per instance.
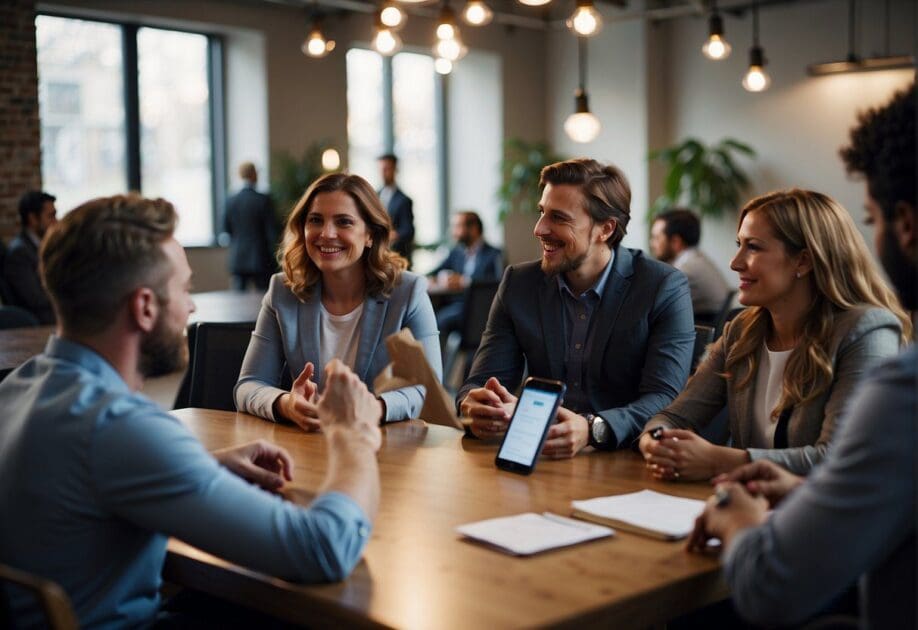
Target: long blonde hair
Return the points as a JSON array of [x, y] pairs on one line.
[[845, 276], [382, 267]]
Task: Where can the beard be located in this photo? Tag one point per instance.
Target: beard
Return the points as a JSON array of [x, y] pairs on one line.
[[163, 351], [565, 266], [901, 271]]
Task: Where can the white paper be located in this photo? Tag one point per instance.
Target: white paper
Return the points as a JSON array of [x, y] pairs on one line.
[[529, 533], [672, 516]]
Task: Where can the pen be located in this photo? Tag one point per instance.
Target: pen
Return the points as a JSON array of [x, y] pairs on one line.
[[722, 497]]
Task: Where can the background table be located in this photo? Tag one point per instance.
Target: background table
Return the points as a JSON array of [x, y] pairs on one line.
[[417, 573], [17, 345], [226, 306]]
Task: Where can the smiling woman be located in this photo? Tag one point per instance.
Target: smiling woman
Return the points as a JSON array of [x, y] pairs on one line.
[[819, 316], [341, 293]]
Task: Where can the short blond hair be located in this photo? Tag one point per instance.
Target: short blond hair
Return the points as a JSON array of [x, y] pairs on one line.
[[248, 172]]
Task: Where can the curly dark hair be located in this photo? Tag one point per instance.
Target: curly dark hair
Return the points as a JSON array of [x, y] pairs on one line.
[[883, 149]]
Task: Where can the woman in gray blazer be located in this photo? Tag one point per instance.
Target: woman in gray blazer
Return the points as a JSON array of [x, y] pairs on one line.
[[341, 293], [819, 316]]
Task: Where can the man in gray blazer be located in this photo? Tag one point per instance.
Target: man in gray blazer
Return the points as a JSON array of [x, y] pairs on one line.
[[855, 514], [252, 226], [37, 214], [613, 324]]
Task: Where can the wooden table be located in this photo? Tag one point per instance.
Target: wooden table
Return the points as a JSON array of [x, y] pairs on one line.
[[17, 345], [416, 571]]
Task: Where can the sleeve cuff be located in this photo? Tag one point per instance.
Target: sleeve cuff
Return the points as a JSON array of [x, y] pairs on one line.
[[346, 509]]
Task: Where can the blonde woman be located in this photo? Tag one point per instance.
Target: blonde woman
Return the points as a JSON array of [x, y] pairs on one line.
[[819, 316], [341, 293]]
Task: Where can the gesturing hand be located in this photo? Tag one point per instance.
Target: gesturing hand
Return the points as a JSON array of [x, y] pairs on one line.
[[685, 455], [260, 462], [299, 406], [490, 408], [765, 478], [347, 405], [567, 437], [741, 511]]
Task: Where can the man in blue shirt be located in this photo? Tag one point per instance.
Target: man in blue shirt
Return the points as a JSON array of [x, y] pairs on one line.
[[855, 514], [94, 477], [616, 326]]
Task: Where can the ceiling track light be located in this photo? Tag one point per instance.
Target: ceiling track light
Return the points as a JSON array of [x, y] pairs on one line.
[[582, 126], [316, 45], [854, 63], [715, 46], [756, 79], [586, 21], [477, 13]]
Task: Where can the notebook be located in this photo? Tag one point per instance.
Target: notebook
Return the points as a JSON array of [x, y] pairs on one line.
[[529, 533], [650, 513]]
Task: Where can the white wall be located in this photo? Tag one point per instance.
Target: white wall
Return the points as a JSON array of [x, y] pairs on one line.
[[800, 122], [617, 87], [246, 104]]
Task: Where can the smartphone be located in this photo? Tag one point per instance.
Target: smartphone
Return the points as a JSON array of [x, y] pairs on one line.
[[534, 413]]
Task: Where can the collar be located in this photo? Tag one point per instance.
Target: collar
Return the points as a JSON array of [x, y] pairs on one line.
[[473, 249], [86, 358], [598, 287], [32, 236], [684, 255]]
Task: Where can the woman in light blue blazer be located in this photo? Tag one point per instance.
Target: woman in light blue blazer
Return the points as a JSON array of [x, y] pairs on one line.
[[341, 293]]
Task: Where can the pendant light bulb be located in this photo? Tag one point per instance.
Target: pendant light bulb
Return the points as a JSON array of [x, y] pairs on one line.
[[450, 49], [477, 13], [446, 24], [386, 42], [316, 45], [443, 66], [535, 3], [756, 79], [716, 47], [582, 126], [586, 20], [392, 15]]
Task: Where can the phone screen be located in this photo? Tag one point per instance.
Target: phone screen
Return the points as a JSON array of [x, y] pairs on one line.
[[534, 411]]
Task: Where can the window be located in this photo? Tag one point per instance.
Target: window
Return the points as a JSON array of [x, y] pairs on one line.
[[407, 125], [129, 108]]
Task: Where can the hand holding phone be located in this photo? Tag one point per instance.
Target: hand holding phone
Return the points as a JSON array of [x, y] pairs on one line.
[[535, 411]]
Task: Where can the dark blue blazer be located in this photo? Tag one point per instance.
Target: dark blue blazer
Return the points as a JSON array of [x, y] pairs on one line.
[[252, 226], [20, 270], [642, 346], [401, 212], [489, 263]]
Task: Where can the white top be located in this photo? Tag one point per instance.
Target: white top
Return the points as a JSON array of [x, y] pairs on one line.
[[339, 337], [769, 382]]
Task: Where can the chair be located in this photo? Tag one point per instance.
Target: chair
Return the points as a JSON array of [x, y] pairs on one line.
[[217, 350], [704, 335], [6, 294], [476, 308], [16, 317], [54, 602], [728, 317]]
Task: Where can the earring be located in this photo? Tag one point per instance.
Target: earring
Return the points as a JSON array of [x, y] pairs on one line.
[[798, 275]]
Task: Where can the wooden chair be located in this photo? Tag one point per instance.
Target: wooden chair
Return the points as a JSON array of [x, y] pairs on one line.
[[54, 602]]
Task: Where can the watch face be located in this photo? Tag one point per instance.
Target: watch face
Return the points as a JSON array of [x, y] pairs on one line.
[[600, 430]]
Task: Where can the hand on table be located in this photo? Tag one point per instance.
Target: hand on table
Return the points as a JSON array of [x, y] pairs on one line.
[[741, 511], [348, 407], [261, 462], [685, 455], [490, 408], [299, 406], [567, 437], [763, 478]]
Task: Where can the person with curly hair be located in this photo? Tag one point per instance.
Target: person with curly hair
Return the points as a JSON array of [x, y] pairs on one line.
[[341, 293], [854, 516]]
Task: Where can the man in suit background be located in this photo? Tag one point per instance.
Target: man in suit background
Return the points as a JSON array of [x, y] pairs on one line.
[[471, 258], [37, 214], [614, 325], [674, 238], [252, 226], [399, 206]]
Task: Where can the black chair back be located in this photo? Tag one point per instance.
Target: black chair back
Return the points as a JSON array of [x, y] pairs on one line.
[[16, 317], [478, 298], [6, 294], [704, 335], [216, 357]]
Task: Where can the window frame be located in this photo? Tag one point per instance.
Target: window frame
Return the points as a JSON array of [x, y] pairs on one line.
[[215, 72]]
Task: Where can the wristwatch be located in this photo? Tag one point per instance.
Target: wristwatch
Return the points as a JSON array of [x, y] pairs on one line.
[[600, 433]]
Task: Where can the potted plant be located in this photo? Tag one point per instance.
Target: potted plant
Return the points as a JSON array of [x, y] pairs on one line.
[[708, 179], [291, 175]]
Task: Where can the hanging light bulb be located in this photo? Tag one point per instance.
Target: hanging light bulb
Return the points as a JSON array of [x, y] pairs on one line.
[[331, 160], [392, 15], [443, 66], [534, 3], [756, 79], [446, 24], [477, 13], [386, 42], [582, 126], [450, 49], [586, 20], [315, 44], [715, 46]]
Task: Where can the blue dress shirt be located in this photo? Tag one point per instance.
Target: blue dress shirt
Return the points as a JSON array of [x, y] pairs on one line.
[[94, 478]]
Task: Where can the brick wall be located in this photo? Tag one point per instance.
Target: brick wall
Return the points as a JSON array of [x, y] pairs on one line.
[[20, 141]]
